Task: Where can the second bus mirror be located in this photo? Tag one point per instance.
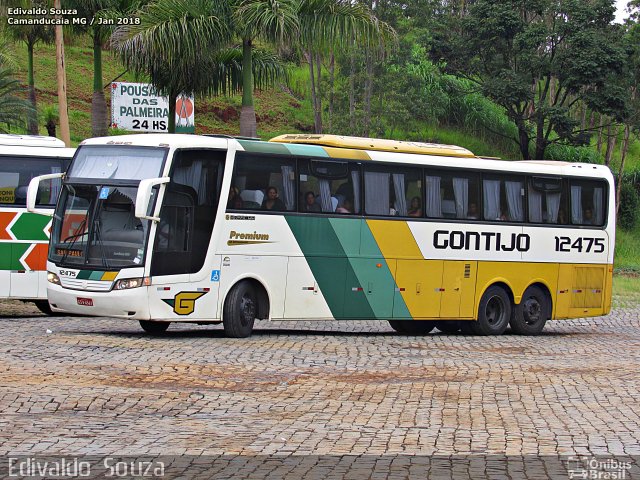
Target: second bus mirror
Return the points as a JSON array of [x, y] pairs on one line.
[[145, 191], [32, 193]]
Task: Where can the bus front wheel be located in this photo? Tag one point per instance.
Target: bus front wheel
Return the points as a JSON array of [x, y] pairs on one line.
[[154, 328], [44, 307], [240, 310], [412, 327], [530, 314], [494, 312]]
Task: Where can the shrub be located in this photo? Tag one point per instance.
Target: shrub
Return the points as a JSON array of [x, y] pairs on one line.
[[629, 204]]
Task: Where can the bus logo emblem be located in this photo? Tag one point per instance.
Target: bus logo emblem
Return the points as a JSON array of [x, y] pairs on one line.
[[184, 303]]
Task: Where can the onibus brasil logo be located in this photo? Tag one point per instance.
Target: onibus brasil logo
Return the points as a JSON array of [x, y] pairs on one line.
[[184, 303]]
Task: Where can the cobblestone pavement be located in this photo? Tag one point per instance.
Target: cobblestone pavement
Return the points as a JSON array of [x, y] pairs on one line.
[[97, 386]]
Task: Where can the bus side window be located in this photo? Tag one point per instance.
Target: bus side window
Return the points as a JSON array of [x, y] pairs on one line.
[[587, 202], [452, 195], [547, 200], [336, 185], [254, 174], [503, 198], [392, 191]]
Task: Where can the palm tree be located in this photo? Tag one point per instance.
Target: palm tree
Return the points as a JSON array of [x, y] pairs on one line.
[[173, 46], [316, 26], [99, 33], [13, 109], [31, 35]]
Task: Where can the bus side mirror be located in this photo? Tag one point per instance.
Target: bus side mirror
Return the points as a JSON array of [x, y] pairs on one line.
[[32, 193], [143, 197]]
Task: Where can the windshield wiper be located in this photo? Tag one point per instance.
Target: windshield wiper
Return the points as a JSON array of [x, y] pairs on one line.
[[75, 237], [98, 236]]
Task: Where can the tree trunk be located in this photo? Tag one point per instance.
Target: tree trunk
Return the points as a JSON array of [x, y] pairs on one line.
[[99, 120], [65, 133], [332, 66], [248, 126], [623, 156], [318, 112], [611, 144], [33, 116], [600, 127], [352, 95], [523, 138], [51, 128], [583, 116], [368, 89], [171, 125], [312, 78]]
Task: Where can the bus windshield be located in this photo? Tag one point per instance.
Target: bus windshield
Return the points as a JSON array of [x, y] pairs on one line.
[[117, 162], [95, 226]]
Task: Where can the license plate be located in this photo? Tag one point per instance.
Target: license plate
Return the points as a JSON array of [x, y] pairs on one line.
[[87, 302]]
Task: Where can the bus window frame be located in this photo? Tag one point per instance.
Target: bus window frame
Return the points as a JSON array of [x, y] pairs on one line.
[[68, 161]]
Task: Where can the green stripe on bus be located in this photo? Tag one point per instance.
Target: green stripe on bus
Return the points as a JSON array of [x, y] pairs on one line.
[[30, 226], [330, 267], [306, 150], [263, 147], [10, 254]]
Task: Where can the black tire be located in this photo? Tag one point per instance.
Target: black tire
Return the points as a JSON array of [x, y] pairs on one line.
[[43, 306], [240, 310], [530, 315], [448, 326], [154, 328], [412, 327], [494, 312]]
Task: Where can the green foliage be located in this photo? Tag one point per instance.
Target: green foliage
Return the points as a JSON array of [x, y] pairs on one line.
[[537, 58], [13, 109], [627, 253], [569, 153], [629, 204]]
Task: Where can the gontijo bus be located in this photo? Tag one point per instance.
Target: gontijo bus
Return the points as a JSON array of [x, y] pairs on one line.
[[24, 236], [173, 228]]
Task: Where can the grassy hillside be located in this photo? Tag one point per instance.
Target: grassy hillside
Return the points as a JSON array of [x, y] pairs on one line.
[[277, 111]]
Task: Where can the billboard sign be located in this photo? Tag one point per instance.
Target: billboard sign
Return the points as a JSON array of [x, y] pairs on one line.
[[137, 107]]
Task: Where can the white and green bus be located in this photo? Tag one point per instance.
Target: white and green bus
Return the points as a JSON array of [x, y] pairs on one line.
[[206, 229], [24, 236]]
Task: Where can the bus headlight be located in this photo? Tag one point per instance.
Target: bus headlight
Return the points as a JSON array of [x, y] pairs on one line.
[[53, 278], [126, 283]]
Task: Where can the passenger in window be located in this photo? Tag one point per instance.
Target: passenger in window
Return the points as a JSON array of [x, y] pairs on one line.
[[415, 208], [310, 204], [472, 214], [346, 207], [272, 202], [587, 216], [562, 217], [235, 200]]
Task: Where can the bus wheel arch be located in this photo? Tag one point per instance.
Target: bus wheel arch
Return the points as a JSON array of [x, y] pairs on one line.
[[531, 314]]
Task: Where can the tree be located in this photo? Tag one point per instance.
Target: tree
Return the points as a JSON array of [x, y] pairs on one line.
[[31, 35], [173, 46], [13, 109], [537, 58], [99, 33]]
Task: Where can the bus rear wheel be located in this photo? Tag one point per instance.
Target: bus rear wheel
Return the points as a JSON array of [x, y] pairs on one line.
[[530, 315], [240, 310], [154, 328], [412, 327], [494, 312]]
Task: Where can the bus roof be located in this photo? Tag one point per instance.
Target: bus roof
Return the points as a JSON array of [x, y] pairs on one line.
[[30, 141], [359, 143]]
